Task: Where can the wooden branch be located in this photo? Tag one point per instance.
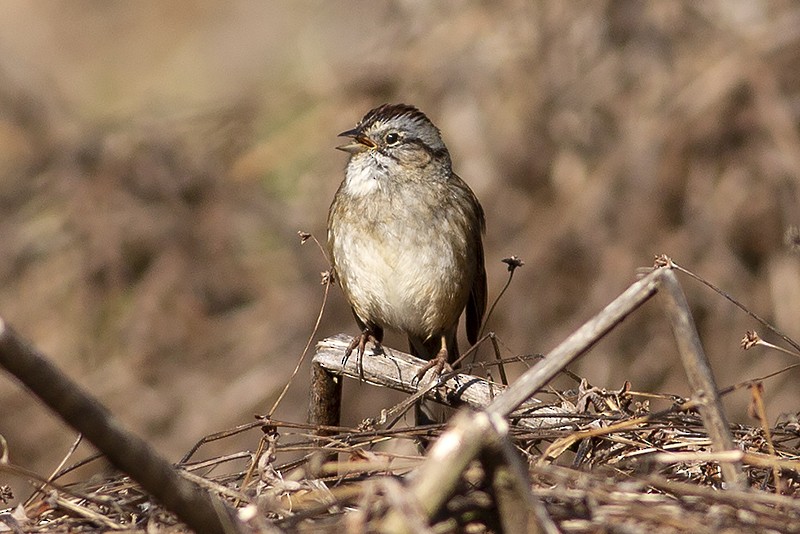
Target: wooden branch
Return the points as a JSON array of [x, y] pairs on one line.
[[325, 405], [698, 371], [200, 510], [467, 435], [517, 509], [453, 450], [396, 370], [575, 345]]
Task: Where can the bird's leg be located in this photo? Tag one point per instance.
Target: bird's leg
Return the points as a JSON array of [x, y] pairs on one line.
[[360, 342], [438, 363]]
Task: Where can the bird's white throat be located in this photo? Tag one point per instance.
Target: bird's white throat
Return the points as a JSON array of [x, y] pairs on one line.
[[363, 177]]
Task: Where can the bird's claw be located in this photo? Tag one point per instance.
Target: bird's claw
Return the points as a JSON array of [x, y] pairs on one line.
[[439, 365], [360, 342]]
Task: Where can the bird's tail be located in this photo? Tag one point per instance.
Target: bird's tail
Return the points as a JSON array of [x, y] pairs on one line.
[[426, 350]]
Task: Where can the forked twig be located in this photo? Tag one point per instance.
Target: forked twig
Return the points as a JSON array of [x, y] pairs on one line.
[[738, 304]]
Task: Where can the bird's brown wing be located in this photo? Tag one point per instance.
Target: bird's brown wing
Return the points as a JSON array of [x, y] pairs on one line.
[[476, 305]]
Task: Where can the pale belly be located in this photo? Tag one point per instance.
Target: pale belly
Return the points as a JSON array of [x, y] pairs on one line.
[[403, 281]]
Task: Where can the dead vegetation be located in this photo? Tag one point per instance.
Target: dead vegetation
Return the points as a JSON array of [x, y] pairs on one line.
[[620, 481]]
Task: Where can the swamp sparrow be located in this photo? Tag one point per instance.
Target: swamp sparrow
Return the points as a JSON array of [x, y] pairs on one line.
[[404, 235]]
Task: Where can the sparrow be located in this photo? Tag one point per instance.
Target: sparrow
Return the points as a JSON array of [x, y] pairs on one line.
[[405, 236]]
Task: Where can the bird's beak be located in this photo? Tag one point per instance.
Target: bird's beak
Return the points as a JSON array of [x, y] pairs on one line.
[[359, 142]]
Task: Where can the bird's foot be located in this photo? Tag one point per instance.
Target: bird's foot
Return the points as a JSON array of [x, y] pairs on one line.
[[360, 342], [439, 365]]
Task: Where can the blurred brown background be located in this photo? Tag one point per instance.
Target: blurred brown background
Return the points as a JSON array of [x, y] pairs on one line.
[[157, 160]]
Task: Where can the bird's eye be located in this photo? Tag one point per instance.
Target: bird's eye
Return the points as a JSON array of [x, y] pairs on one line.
[[392, 138]]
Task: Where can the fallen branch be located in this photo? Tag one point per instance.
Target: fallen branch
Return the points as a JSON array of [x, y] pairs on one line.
[[396, 370], [196, 507]]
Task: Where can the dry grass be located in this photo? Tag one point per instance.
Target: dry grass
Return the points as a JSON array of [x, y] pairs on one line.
[[655, 473]]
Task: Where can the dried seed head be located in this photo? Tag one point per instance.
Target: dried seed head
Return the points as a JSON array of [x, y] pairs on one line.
[[750, 339], [513, 262]]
